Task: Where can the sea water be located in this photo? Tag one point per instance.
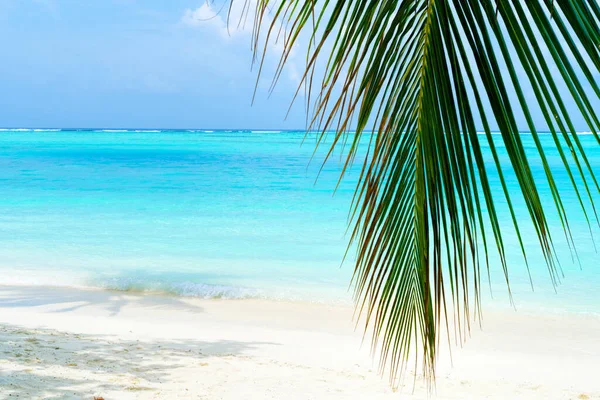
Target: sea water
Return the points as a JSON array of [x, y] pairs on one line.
[[232, 214]]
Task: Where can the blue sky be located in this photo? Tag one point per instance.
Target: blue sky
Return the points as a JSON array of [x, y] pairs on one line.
[[138, 64], [132, 63]]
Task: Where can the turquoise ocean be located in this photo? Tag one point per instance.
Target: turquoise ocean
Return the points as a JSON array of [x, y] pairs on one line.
[[230, 214]]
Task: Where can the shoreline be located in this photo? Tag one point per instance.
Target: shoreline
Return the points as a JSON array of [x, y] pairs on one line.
[[72, 343], [527, 303]]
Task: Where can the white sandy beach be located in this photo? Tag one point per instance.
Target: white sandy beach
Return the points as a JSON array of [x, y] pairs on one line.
[[76, 344]]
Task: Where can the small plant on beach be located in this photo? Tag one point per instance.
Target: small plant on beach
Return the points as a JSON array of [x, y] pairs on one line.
[[431, 78]]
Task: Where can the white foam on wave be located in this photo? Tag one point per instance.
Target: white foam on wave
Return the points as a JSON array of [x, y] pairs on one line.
[[202, 290], [30, 130], [187, 289]]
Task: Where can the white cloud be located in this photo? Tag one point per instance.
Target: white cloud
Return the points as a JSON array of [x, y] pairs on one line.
[[204, 17], [226, 21], [237, 22]]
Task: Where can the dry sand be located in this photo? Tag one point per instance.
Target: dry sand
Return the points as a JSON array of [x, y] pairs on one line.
[[77, 344]]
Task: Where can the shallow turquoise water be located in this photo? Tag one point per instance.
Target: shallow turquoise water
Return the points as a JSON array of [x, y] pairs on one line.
[[218, 214]]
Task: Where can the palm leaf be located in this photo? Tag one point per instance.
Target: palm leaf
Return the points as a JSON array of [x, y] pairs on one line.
[[416, 77]]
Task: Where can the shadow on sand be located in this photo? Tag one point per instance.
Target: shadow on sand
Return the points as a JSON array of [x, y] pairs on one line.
[[46, 364]]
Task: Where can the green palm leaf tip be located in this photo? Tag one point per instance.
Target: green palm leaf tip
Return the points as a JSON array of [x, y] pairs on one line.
[[423, 75]]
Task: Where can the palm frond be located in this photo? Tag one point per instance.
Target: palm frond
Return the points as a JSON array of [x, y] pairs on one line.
[[422, 75]]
